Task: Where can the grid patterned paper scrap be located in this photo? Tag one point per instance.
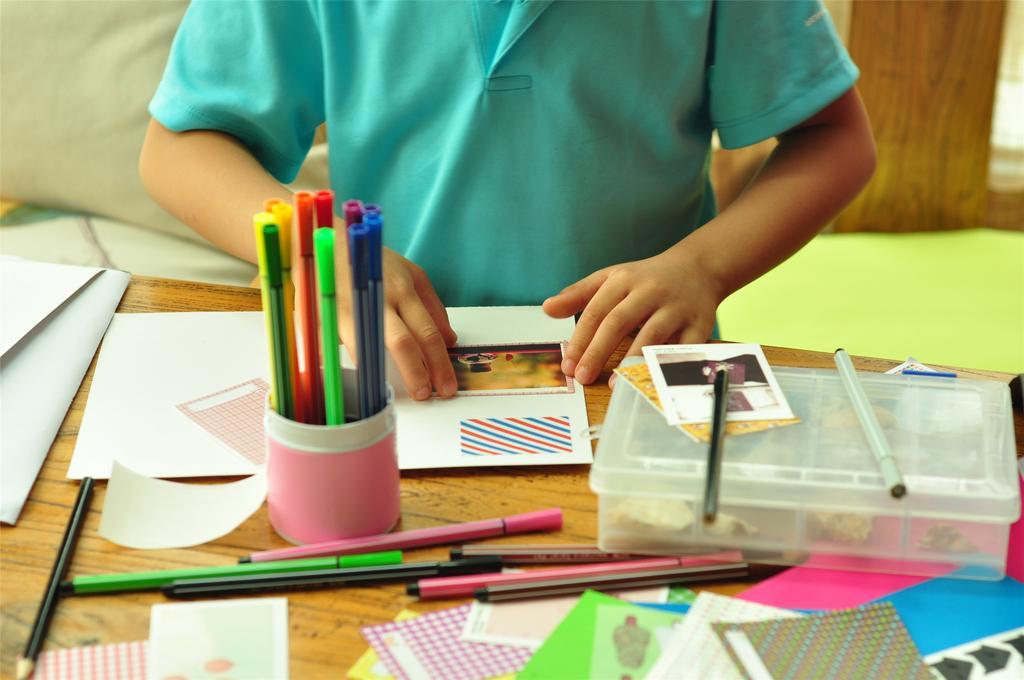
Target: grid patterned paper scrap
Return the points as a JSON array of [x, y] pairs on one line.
[[433, 640], [866, 642], [119, 661], [694, 652], [233, 415], [515, 436]]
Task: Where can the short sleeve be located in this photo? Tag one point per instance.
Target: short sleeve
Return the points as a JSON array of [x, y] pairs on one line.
[[774, 64], [252, 69]]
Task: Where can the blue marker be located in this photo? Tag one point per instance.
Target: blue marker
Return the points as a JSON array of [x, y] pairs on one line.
[[358, 251], [375, 223], [930, 374]]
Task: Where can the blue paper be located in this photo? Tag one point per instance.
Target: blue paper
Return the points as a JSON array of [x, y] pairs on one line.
[[946, 612]]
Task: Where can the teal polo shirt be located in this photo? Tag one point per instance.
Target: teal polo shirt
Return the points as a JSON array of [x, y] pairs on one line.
[[515, 146]]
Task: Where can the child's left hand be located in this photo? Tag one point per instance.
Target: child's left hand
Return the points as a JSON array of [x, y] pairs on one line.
[[669, 298]]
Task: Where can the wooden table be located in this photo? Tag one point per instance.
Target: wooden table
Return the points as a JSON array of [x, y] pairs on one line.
[[324, 625]]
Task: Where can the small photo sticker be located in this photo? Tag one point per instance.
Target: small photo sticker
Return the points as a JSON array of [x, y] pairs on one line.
[[535, 368]]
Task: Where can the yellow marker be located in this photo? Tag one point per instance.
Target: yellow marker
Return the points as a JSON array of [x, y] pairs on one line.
[[283, 218], [258, 220]]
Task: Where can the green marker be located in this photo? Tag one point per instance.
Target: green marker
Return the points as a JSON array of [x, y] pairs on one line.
[[279, 322], [152, 580], [334, 399]]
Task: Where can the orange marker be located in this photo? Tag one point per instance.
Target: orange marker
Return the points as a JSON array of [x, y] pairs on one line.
[[306, 325]]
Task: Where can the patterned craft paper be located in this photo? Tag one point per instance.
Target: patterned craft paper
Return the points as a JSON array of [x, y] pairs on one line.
[[429, 646], [866, 642], [695, 652], [997, 657], [233, 415], [119, 661], [369, 666], [515, 436], [639, 376]]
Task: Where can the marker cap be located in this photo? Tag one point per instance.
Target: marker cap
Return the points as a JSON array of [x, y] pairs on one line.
[[541, 520], [258, 221], [324, 208], [283, 218], [353, 211], [272, 243], [304, 205], [359, 251], [373, 559], [323, 244]]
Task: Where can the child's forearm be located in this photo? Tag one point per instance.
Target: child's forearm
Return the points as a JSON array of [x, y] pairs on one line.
[[209, 181], [814, 172]]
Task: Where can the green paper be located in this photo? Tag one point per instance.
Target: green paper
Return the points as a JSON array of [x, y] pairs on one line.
[[569, 651], [680, 595]]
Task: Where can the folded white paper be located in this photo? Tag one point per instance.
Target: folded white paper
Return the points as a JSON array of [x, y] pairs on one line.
[[41, 371], [147, 513]]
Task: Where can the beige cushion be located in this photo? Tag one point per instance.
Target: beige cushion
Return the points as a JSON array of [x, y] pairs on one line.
[[77, 79]]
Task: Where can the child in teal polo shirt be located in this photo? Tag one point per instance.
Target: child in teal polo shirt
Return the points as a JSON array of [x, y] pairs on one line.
[[520, 148]]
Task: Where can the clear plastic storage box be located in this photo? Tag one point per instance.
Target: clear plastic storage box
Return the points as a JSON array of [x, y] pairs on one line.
[[812, 491]]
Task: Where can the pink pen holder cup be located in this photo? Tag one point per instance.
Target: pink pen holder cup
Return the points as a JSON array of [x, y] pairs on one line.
[[327, 482]]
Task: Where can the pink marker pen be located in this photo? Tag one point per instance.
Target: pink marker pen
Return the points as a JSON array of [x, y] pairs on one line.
[[465, 586], [541, 520]]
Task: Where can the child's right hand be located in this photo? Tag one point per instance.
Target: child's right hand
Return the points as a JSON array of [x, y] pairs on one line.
[[416, 327]]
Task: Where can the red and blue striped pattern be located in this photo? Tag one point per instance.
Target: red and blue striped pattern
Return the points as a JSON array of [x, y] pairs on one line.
[[515, 436]]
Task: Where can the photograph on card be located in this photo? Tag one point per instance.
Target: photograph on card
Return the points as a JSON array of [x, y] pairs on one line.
[[684, 376], [534, 368]]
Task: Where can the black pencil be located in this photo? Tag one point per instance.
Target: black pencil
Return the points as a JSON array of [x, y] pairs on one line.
[[714, 470], [27, 661]]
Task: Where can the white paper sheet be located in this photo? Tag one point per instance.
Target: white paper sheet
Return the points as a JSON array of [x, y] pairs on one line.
[[240, 639], [429, 431], [148, 364], [40, 376], [31, 291], [146, 513], [695, 652]]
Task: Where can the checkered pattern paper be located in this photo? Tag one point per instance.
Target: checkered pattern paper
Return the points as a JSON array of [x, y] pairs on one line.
[[120, 661], [515, 436], [430, 646], [233, 415], [866, 642]]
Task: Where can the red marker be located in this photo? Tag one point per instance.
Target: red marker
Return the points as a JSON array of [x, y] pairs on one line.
[[325, 208], [306, 327]]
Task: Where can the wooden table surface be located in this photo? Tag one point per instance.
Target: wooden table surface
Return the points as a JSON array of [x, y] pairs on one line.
[[324, 625]]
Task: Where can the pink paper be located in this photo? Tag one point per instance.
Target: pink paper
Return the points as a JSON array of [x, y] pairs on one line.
[[1015, 553], [118, 661], [809, 588]]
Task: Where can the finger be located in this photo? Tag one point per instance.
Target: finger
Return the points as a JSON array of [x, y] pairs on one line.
[[590, 320], [694, 334], [431, 345], [432, 303], [575, 297], [615, 325], [659, 329], [405, 352]]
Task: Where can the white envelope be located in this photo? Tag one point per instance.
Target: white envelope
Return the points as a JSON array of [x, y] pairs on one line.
[[53, 317]]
